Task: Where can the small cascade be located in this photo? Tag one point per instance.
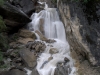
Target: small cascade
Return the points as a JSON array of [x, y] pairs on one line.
[[48, 23]]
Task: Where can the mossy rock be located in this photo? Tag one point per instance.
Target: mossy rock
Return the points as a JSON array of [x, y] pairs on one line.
[[2, 25], [1, 2], [3, 42]]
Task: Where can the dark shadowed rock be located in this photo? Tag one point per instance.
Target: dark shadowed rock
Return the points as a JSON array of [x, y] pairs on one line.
[[12, 15], [13, 72], [66, 59], [27, 6]]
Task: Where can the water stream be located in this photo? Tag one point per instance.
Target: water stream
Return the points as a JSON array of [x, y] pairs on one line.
[[48, 23]]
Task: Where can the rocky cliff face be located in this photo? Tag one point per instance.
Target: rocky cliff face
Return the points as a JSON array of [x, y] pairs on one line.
[[82, 28]]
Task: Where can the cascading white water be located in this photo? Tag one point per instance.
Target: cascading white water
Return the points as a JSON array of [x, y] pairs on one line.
[[53, 28]]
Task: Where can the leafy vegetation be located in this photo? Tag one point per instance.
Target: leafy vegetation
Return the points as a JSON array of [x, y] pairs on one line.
[[1, 2]]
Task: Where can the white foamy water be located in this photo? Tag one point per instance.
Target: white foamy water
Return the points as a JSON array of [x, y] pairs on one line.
[[52, 28]]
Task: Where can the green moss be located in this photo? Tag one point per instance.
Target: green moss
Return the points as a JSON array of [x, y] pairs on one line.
[[3, 42], [2, 25]]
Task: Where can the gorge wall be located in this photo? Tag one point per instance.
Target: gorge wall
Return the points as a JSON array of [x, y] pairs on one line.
[[82, 24]]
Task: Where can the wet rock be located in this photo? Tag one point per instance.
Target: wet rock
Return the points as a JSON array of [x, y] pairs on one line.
[[27, 34], [41, 23], [50, 58], [42, 37], [37, 46], [24, 40], [29, 45], [66, 59], [53, 51], [45, 62], [50, 41], [61, 70], [13, 72], [34, 72], [28, 57]]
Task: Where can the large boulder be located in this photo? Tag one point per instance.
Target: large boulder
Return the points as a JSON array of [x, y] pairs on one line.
[[24, 40], [12, 15], [27, 6], [28, 57], [12, 10], [27, 34]]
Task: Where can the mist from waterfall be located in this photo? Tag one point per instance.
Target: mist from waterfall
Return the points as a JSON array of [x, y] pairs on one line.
[[48, 23]]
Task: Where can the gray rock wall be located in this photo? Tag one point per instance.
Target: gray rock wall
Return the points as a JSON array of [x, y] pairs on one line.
[[82, 33]]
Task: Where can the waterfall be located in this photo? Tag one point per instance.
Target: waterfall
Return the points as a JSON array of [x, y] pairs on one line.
[[48, 23]]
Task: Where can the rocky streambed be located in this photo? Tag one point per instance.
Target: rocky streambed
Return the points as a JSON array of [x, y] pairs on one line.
[[21, 58]]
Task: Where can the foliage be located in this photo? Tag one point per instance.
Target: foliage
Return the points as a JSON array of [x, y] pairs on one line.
[[1, 2], [2, 25]]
